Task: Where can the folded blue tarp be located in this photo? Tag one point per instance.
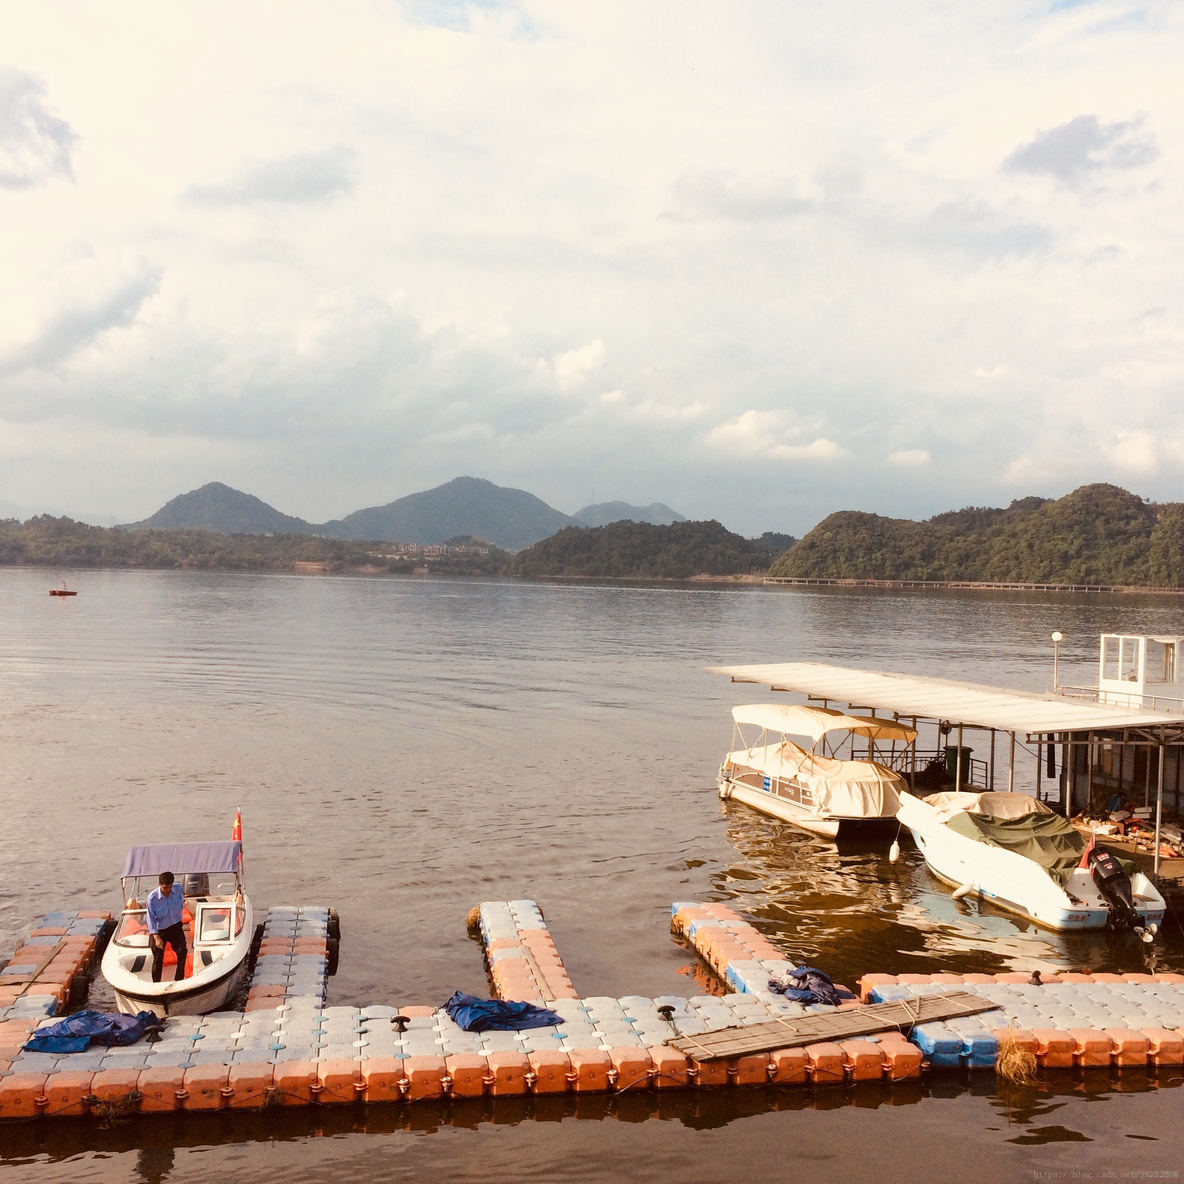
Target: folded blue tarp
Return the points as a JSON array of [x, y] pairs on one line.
[[807, 984], [497, 1015], [79, 1031]]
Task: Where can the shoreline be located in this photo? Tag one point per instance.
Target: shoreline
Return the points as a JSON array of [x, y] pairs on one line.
[[738, 579]]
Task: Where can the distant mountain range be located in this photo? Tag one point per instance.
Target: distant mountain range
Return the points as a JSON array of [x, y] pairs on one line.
[[464, 507], [602, 513]]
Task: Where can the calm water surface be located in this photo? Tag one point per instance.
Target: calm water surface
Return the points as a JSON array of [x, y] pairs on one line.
[[403, 749]]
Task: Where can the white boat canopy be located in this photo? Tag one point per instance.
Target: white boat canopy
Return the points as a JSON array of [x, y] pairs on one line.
[[846, 789], [939, 698], [795, 719]]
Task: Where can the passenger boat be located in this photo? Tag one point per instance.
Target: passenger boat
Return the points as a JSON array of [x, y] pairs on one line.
[[809, 788], [62, 591], [218, 924], [1013, 851]]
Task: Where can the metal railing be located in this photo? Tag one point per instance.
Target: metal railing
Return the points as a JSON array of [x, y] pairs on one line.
[[1133, 701], [975, 773]]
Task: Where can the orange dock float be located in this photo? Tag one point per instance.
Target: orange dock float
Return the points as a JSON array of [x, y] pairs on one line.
[[289, 1048]]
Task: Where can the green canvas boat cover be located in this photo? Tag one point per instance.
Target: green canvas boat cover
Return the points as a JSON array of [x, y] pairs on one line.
[[1046, 839]]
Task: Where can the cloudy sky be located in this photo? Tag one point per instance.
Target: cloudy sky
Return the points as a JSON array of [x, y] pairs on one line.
[[757, 260]]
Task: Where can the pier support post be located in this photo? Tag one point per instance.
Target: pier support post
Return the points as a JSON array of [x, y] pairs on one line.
[[1067, 774], [1089, 774], [1159, 800], [1011, 766]]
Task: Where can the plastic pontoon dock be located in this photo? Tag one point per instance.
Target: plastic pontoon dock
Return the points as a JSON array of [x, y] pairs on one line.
[[288, 1048]]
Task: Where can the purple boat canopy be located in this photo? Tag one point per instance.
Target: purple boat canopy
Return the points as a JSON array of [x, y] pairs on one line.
[[180, 858]]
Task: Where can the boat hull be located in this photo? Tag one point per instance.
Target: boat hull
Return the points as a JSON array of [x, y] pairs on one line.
[[199, 1000], [1016, 884], [796, 815]]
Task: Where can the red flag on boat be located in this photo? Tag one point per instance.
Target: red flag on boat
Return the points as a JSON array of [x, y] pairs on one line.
[[236, 835], [1093, 838]]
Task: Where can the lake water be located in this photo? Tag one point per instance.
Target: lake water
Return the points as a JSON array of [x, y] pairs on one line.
[[403, 749]]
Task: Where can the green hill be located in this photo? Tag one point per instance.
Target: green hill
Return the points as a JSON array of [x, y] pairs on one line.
[[62, 542], [1098, 534], [641, 550]]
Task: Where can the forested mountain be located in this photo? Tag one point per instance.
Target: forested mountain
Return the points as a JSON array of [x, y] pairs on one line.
[[218, 507], [641, 550], [1098, 534], [511, 518]]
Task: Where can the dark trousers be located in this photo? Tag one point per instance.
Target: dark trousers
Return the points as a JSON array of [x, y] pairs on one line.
[[173, 936]]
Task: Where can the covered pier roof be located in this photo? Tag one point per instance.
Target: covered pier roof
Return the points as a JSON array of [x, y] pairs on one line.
[[971, 704]]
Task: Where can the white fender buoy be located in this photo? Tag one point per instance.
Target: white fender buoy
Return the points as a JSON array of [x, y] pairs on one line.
[[965, 890], [894, 852]]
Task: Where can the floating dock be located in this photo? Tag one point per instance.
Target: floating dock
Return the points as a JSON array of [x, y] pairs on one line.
[[288, 1048]]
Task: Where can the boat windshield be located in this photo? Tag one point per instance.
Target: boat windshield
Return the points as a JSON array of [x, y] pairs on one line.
[[133, 928]]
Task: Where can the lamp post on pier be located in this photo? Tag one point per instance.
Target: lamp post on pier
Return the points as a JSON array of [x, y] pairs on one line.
[[1057, 638]]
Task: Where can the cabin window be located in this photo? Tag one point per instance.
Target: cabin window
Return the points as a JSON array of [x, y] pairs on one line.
[[1130, 659], [240, 918], [1160, 661], [215, 925], [1110, 658]]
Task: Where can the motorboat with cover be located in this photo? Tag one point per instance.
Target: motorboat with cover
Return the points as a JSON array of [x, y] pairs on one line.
[[218, 929], [807, 787], [1015, 852]]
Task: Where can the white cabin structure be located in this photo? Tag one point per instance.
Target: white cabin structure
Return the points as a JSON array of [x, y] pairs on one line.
[[1141, 672]]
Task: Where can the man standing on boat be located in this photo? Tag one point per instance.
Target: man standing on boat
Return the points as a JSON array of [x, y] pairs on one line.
[[164, 907]]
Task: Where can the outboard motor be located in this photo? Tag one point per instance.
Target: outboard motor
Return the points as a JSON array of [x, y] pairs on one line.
[[1115, 886], [196, 884]]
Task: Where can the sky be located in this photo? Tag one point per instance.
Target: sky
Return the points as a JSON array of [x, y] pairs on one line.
[[757, 260]]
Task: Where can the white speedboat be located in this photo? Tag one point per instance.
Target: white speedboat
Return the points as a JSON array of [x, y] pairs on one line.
[[218, 922], [813, 790], [1012, 850]]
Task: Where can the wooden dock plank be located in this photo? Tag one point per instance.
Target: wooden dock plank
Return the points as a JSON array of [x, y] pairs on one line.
[[900, 1015]]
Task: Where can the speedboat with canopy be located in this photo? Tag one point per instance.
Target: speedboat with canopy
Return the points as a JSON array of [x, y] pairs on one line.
[[813, 788], [218, 924], [1013, 851]]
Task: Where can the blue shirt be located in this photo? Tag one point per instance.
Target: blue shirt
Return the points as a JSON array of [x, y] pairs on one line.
[[164, 911]]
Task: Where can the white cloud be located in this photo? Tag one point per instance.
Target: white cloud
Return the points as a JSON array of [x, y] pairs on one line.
[[1139, 453], [576, 365], [768, 434], [302, 179], [910, 458], [724, 194], [35, 144], [81, 319], [1084, 147], [361, 250]]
